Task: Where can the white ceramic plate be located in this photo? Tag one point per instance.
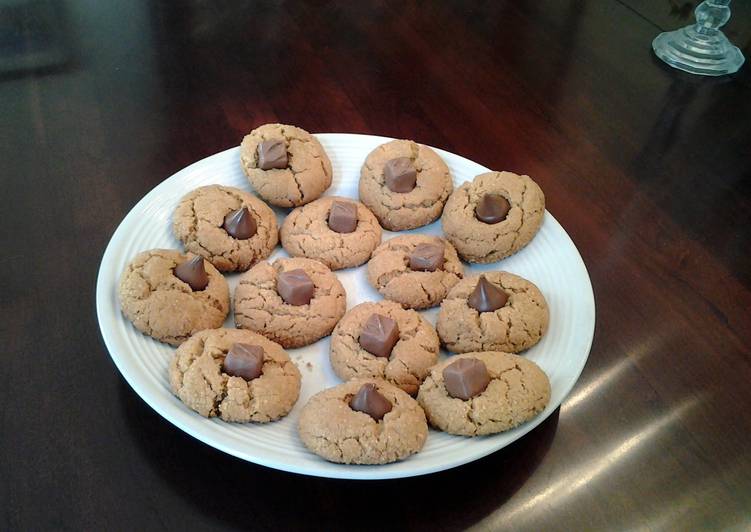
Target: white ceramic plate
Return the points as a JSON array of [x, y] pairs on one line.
[[551, 261]]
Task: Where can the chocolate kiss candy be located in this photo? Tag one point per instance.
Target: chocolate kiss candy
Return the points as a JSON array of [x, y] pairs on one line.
[[240, 224], [427, 257], [379, 335], [295, 287], [370, 401], [466, 378], [244, 360], [272, 154], [400, 174], [193, 272], [343, 216], [492, 209], [486, 297]]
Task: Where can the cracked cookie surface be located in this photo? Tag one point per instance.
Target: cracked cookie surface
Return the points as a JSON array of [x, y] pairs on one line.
[[390, 274], [307, 175], [399, 211], [517, 392], [162, 306], [477, 241], [332, 430], [512, 328], [196, 376], [306, 233], [410, 359], [198, 219], [260, 308]]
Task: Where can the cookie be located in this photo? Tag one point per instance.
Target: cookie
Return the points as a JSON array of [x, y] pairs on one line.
[[286, 165], [332, 429], [199, 376], [165, 307], [512, 206], [517, 325], [416, 271], [260, 307], [339, 232], [517, 391], [405, 184], [406, 363], [210, 222]]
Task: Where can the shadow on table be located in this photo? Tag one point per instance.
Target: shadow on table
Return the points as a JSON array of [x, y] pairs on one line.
[[233, 492]]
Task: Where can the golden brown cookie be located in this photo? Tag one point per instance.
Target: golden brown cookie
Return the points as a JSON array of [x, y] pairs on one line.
[[390, 271], [330, 428], [397, 211], [516, 326], [198, 377], [199, 223], [166, 308], [306, 173], [407, 363], [259, 307], [518, 390], [478, 241], [306, 232]]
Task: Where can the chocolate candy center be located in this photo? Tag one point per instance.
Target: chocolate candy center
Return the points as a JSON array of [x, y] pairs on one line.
[[492, 208], [343, 216], [370, 401], [244, 360], [466, 378], [295, 287], [240, 224], [400, 174], [193, 272], [379, 335], [427, 257], [272, 154], [486, 297]]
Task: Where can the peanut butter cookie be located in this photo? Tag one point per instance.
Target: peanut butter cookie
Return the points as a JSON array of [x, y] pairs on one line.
[[405, 184], [514, 391], [398, 346], [494, 216], [339, 232], [229, 227], [293, 301], [340, 430], [165, 306], [416, 271], [516, 324], [286, 165], [203, 378]]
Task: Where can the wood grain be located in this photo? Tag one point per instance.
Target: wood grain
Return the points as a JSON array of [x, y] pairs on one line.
[[648, 169]]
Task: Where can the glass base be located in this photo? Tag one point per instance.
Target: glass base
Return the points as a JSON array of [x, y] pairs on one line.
[[689, 50]]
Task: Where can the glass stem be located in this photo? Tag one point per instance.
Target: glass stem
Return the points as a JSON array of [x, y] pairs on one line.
[[711, 15]]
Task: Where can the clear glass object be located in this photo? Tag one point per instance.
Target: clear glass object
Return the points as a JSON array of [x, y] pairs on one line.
[[701, 48]]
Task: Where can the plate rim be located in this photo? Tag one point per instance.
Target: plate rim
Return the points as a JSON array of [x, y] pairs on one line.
[[340, 471]]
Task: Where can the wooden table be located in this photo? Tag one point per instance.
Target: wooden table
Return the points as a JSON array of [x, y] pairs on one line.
[[648, 170]]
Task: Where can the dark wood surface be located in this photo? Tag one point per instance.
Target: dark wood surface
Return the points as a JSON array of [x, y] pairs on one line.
[[648, 169]]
